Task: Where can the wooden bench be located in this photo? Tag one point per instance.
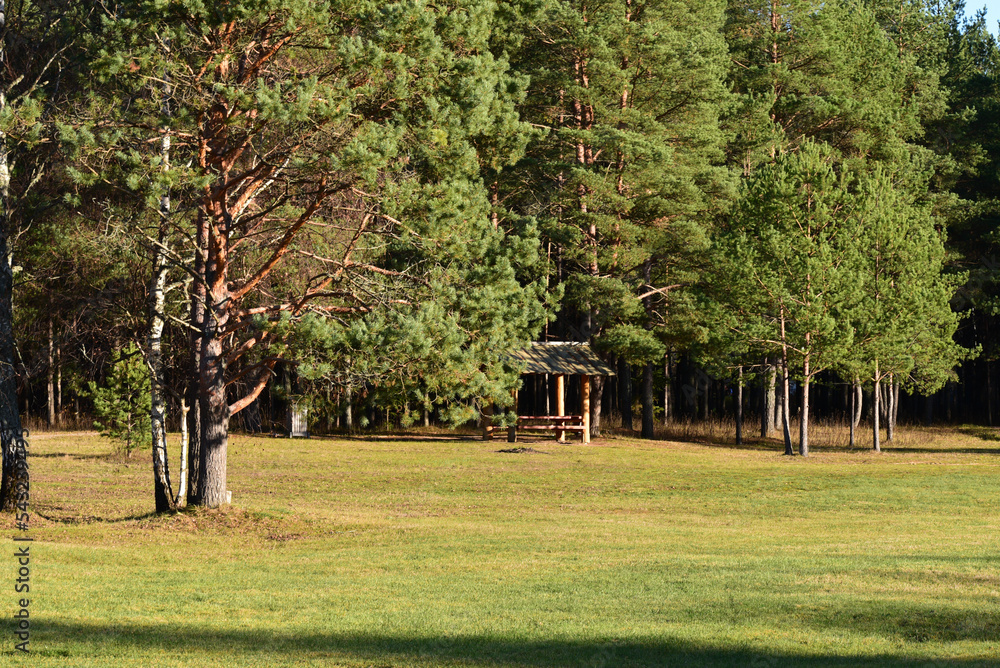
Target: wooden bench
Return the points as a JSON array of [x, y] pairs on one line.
[[560, 424]]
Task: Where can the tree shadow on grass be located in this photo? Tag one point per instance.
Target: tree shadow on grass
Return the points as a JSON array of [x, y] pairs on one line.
[[981, 432], [47, 514], [402, 436], [940, 451], [385, 649], [107, 456]]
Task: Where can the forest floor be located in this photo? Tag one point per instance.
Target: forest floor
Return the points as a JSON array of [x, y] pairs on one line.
[[414, 551]]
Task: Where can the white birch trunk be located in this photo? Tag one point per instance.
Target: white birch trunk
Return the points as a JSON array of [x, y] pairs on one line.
[[181, 498], [51, 376], [162, 492]]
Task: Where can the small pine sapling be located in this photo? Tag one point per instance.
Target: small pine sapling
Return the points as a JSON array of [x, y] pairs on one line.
[[121, 406]]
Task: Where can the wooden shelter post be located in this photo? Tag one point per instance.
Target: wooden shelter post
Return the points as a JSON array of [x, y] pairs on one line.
[[585, 406], [512, 429], [561, 403]]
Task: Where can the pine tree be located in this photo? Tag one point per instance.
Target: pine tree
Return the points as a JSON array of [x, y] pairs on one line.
[[622, 183], [121, 403], [904, 324], [323, 161], [791, 256]]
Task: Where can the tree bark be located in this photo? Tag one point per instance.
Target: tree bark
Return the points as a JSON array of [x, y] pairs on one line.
[[625, 393], [596, 397], [852, 398], [647, 400], [667, 398], [162, 491], [647, 371], [58, 386], [739, 406], [785, 416], [859, 397], [876, 444], [182, 488], [50, 385], [197, 322], [895, 404], [163, 495], [212, 380], [804, 413], [348, 412], [889, 410], [768, 401]]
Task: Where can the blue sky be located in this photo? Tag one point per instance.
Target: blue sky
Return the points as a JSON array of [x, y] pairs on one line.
[[992, 11]]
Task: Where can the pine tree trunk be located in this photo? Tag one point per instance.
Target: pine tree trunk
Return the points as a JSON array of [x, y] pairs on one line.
[[647, 371], [348, 412], [852, 397], [705, 395], [739, 406], [214, 407], [197, 310], [779, 403], [596, 398], [804, 412], [767, 398], [989, 395], [625, 393], [667, 399], [211, 491], [647, 400], [876, 444], [785, 416]]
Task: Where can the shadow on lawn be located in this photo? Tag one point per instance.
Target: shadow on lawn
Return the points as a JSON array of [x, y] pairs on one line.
[[394, 650], [107, 456], [47, 513]]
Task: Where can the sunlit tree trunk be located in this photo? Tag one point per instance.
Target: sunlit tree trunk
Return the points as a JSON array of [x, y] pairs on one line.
[[50, 384], [876, 444], [768, 400], [163, 495], [785, 416]]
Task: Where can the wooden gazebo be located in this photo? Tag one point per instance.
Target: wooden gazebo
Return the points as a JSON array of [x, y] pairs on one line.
[[559, 359]]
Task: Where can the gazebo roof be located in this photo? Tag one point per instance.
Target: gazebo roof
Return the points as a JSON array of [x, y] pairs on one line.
[[562, 357]]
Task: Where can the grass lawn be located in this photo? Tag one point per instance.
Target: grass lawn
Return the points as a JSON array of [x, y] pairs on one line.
[[447, 552]]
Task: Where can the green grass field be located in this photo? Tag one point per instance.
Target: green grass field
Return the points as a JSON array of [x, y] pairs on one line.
[[445, 552]]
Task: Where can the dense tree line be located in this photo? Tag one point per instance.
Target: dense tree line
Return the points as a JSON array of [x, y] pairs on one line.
[[363, 206]]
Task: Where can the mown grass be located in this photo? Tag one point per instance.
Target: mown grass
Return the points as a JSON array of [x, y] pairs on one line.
[[446, 552]]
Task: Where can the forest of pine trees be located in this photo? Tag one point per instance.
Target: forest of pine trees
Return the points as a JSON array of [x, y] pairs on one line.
[[785, 211]]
